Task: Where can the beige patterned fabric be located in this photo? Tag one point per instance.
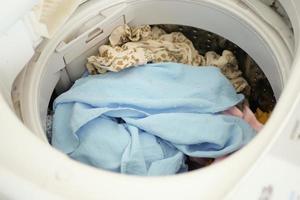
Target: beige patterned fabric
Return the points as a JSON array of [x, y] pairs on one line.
[[228, 64], [134, 46]]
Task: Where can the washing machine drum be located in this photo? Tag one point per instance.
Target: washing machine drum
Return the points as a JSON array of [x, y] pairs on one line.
[[53, 42]]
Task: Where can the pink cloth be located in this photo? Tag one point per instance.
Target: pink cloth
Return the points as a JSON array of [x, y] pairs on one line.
[[247, 115]]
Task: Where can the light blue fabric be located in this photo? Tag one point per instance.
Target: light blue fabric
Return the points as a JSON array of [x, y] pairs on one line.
[[144, 120]]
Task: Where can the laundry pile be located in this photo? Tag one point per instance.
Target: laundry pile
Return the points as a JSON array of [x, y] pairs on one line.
[[165, 116]]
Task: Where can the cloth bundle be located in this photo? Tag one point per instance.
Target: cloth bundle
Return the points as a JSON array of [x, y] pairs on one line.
[[135, 46], [146, 120]]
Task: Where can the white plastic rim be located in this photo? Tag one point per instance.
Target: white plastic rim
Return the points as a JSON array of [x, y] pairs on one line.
[[56, 173]]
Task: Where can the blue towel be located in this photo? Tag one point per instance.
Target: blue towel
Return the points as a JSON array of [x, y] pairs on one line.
[[145, 120]]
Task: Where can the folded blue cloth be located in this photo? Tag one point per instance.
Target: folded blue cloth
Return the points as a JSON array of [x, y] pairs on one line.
[[144, 120]]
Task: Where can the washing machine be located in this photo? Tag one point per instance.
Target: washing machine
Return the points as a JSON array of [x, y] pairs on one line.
[[43, 47]]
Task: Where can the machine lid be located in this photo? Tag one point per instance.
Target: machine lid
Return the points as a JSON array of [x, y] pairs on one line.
[[50, 15], [13, 10], [23, 25], [46, 16]]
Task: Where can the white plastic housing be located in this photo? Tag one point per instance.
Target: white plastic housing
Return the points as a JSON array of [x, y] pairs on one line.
[[32, 163]]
